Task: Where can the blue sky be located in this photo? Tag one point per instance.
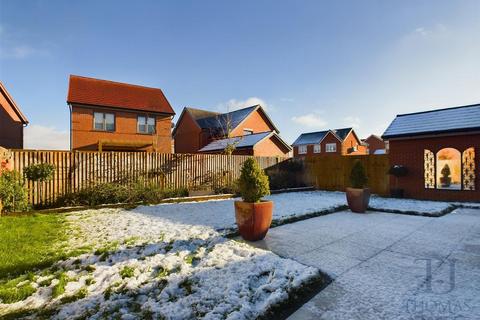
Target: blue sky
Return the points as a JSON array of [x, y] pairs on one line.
[[313, 64]]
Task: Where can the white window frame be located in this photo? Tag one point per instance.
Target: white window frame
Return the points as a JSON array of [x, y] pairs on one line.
[[302, 149], [104, 123], [317, 148], [247, 131], [331, 147], [146, 117]]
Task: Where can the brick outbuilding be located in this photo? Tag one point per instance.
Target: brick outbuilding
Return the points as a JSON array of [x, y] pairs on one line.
[[440, 150]]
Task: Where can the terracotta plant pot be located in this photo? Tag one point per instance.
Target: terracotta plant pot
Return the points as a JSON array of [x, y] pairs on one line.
[[253, 219], [358, 199]]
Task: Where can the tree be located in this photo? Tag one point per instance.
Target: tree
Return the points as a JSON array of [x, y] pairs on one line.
[[358, 177], [39, 173], [445, 179], [253, 182]]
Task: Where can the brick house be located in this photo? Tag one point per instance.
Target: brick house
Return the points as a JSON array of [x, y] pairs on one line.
[[438, 148], [249, 129], [12, 121], [376, 145], [338, 141], [114, 116]]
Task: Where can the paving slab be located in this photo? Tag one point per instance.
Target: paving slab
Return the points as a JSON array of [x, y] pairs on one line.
[[388, 266]]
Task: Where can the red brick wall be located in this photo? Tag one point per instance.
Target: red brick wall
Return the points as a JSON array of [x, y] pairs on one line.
[[350, 142], [330, 138], [410, 153], [255, 121], [374, 144], [11, 127], [187, 135], [84, 137], [270, 148]]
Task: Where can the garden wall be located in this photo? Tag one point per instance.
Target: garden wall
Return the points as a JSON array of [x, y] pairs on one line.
[[75, 170]]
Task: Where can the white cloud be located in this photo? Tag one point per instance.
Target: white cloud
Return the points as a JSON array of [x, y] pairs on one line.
[[353, 122], [311, 120], [13, 48], [234, 104], [46, 138]]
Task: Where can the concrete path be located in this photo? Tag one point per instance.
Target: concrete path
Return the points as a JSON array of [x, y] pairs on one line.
[[388, 266]]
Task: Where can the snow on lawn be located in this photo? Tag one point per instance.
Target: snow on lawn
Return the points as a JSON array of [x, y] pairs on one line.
[[220, 214], [145, 266], [420, 207]]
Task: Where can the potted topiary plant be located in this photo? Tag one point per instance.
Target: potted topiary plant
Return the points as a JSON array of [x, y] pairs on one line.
[[397, 171], [253, 215], [358, 196], [445, 179]]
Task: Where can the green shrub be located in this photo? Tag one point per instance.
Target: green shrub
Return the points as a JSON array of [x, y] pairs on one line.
[[253, 182], [13, 194], [358, 177], [39, 172]]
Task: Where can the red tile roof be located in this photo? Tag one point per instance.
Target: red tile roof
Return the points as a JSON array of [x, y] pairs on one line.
[[90, 91]]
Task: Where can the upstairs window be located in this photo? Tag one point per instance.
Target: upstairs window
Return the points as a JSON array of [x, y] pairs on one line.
[[331, 147], [146, 124], [103, 121], [302, 149], [317, 148]]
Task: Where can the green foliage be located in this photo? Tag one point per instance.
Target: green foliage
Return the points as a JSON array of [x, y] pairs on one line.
[[358, 177], [13, 194], [16, 290], [446, 171], [29, 242], [80, 294], [253, 182], [127, 272], [59, 288], [39, 172], [112, 193]]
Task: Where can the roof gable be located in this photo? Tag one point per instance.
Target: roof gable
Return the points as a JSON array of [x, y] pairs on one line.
[[90, 91], [317, 137], [12, 104], [457, 119]]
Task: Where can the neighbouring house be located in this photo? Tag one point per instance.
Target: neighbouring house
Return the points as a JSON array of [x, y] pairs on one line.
[[438, 148], [249, 130], [376, 145], [12, 121], [337, 141], [114, 116]]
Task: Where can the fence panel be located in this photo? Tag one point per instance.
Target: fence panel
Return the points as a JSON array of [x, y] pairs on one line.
[[75, 170], [332, 172]]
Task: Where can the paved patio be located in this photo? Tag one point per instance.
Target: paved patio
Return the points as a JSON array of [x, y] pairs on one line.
[[379, 262]]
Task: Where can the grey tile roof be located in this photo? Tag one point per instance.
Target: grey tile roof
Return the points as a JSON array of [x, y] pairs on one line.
[[242, 142], [316, 137], [220, 121], [457, 119]]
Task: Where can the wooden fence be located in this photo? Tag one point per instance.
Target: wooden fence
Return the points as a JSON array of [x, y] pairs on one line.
[[332, 172], [77, 170]]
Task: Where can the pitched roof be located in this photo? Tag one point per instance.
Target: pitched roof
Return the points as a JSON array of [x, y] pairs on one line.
[[90, 91], [317, 137], [12, 103], [246, 141], [456, 119]]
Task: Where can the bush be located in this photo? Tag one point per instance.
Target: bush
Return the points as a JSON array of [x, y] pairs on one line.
[[13, 194], [287, 174], [358, 177], [112, 193], [253, 182], [39, 172], [398, 171]]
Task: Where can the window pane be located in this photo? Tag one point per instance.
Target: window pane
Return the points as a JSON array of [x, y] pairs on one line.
[[449, 169], [151, 125], [316, 148], [142, 124], [98, 121], [109, 122]]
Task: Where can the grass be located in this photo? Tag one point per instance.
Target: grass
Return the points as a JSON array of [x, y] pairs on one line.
[[29, 242], [127, 272], [16, 289], [59, 288]]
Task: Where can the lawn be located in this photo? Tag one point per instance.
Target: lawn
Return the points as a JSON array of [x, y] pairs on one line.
[[29, 242]]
